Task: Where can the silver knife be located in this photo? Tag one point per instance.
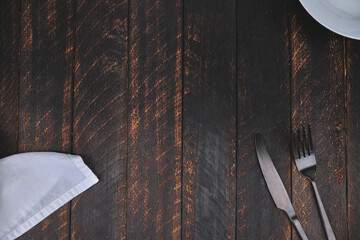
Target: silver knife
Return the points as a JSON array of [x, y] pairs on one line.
[[275, 185]]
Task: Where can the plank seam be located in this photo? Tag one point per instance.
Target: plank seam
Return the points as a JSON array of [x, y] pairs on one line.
[[72, 103], [346, 132], [127, 116], [290, 98], [19, 76], [182, 115], [236, 117]]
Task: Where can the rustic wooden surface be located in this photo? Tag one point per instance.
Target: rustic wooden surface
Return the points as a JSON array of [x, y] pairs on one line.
[[209, 146], [45, 94], [263, 107], [162, 99], [318, 99], [154, 120], [100, 117], [9, 78], [352, 61]]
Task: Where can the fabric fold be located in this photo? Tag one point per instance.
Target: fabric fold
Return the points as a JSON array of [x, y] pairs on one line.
[[33, 185]]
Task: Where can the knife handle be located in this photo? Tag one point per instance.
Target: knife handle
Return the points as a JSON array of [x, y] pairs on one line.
[[298, 227]]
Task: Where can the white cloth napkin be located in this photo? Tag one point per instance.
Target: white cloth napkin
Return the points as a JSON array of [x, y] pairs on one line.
[[33, 185]]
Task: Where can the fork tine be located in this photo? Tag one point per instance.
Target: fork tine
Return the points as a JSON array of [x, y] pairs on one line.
[[311, 147], [293, 146], [305, 143], [300, 144]]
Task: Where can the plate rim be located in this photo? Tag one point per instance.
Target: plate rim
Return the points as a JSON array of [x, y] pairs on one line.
[[324, 24]]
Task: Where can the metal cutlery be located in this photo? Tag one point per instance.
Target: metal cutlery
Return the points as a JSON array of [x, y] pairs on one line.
[[306, 165], [275, 185]]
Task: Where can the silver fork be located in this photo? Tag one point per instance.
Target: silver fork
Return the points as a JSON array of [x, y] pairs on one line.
[[305, 161]]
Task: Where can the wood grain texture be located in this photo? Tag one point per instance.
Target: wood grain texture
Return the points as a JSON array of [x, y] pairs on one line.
[[209, 120], [353, 136], [162, 99], [100, 117], [155, 87], [9, 75], [318, 99], [264, 108], [45, 92]]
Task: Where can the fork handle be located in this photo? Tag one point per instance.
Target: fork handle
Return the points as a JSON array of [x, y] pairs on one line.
[[329, 232]]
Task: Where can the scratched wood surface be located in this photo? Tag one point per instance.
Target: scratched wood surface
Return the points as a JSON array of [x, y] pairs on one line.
[[44, 92], [263, 107], [318, 99], [100, 117], [9, 76], [209, 146], [154, 140], [353, 135], [162, 100]]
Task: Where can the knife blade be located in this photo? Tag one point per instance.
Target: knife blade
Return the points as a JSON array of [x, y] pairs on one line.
[[275, 185]]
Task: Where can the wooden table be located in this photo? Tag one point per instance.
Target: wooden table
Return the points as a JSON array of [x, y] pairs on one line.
[[162, 99]]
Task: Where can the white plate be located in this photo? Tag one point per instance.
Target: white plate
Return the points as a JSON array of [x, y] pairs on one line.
[[340, 16]]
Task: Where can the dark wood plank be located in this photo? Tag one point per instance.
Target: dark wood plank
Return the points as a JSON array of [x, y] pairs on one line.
[[209, 120], [155, 87], [100, 117], [9, 75], [45, 92], [263, 107], [318, 99], [353, 136]]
